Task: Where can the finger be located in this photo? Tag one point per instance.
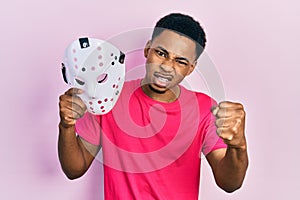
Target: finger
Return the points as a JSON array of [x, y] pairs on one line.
[[225, 113], [231, 114], [69, 112], [72, 104], [225, 133], [215, 110], [67, 107], [74, 91], [69, 98], [75, 109], [68, 121], [228, 104], [73, 100], [76, 101], [225, 122]]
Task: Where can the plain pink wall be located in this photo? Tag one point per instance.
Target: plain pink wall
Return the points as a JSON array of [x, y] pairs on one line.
[[254, 46]]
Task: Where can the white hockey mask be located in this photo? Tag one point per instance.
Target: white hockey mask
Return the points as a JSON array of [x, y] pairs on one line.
[[98, 68]]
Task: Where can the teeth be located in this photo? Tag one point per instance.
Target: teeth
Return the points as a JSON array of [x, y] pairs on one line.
[[163, 79]]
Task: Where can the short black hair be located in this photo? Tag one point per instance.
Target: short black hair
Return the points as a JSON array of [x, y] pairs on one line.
[[184, 25]]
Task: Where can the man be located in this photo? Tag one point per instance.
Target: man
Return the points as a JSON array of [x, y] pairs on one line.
[[157, 157]]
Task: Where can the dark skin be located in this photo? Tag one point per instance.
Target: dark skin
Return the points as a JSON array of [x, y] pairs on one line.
[[75, 154], [230, 165], [170, 57]]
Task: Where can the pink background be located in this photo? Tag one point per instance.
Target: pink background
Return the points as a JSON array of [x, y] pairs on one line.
[[253, 44]]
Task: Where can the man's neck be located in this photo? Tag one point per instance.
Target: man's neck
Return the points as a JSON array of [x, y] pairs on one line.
[[167, 96]]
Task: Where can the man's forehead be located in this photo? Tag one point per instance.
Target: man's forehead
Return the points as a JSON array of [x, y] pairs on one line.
[[175, 43]]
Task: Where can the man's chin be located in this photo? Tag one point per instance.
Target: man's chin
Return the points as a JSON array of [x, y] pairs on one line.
[[157, 89]]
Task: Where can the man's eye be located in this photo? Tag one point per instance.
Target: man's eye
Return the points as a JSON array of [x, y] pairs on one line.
[[182, 63], [160, 53], [80, 82]]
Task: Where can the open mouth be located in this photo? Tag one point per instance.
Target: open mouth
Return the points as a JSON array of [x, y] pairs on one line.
[[163, 77], [162, 80], [102, 78]]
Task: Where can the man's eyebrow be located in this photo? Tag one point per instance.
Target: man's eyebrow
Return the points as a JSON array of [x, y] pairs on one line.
[[177, 58], [163, 49]]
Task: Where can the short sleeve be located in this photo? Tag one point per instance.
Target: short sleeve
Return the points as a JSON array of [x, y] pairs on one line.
[[88, 127], [211, 140]]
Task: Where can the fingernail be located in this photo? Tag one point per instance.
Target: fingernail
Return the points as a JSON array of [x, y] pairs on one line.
[[80, 91], [215, 110]]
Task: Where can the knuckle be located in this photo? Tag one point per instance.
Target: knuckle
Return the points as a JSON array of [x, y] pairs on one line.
[[241, 105], [63, 105], [234, 129], [219, 131], [237, 104], [217, 122], [60, 104], [75, 115], [229, 137], [61, 97], [70, 91], [238, 121], [224, 123], [65, 118], [222, 103], [219, 113], [243, 114], [65, 112]]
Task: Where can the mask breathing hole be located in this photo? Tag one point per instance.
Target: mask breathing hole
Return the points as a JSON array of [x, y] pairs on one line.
[[79, 81], [102, 78]]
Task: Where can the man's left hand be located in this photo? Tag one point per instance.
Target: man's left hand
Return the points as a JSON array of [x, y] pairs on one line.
[[230, 122]]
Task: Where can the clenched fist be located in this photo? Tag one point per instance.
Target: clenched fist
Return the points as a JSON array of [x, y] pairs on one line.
[[230, 122], [71, 107]]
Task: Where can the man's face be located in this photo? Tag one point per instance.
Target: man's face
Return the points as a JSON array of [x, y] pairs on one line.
[[169, 58]]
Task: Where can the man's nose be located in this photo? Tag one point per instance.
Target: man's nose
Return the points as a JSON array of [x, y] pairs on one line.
[[167, 65], [90, 91]]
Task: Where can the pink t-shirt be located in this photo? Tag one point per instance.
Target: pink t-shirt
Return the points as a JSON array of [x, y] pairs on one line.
[[150, 149]]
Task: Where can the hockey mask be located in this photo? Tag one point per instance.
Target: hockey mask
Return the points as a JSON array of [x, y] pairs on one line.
[[98, 68]]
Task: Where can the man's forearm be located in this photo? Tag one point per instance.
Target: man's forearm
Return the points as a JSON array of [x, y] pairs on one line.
[[70, 153], [231, 170]]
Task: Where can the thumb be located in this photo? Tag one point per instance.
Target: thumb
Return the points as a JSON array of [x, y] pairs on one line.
[[215, 110], [74, 91]]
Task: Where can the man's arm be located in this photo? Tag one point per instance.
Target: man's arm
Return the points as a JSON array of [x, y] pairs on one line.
[[230, 165], [75, 154]]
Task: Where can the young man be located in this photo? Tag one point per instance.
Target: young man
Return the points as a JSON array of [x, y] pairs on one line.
[[152, 139]]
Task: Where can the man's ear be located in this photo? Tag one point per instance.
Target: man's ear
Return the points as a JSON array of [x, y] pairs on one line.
[[192, 67], [147, 48]]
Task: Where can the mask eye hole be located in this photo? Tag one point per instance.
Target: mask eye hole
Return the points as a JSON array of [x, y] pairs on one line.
[[79, 81], [122, 57], [102, 78], [63, 70]]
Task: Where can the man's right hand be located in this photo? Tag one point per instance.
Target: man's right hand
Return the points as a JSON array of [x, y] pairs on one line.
[[71, 107], [74, 157]]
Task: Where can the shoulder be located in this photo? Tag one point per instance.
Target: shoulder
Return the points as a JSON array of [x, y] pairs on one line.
[[204, 100], [130, 86], [132, 83]]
